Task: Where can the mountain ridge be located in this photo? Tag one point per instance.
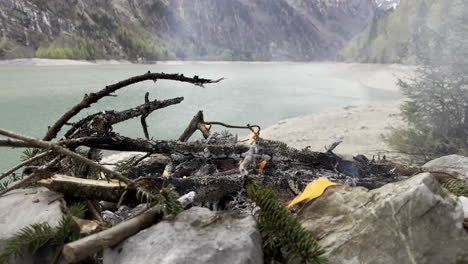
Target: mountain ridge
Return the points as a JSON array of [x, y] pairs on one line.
[[181, 29]]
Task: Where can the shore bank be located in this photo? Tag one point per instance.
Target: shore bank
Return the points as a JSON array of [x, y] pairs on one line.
[[362, 128], [56, 62]]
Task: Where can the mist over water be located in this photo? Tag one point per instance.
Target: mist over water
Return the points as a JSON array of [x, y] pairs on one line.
[[34, 97]]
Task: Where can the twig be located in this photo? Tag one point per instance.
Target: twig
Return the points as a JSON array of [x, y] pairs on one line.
[[92, 98], [250, 127], [136, 162], [144, 116], [24, 163]]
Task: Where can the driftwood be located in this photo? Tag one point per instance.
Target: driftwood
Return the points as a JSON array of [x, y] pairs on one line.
[[85, 188], [81, 249]]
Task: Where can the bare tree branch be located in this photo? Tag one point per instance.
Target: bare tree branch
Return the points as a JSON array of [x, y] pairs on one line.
[[92, 98], [57, 148]]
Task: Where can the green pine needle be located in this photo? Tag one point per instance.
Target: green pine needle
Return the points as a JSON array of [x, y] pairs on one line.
[[283, 236], [457, 186], [78, 210], [28, 239]]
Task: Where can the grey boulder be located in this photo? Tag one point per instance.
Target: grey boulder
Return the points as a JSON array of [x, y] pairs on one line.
[[412, 221], [197, 235], [21, 208], [452, 164]]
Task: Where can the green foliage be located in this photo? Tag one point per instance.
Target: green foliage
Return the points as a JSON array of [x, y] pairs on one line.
[[458, 187], [72, 46], [125, 165], [33, 237], [284, 239], [83, 170], [28, 239], [78, 210], [142, 46], [389, 36], [436, 105], [165, 199]]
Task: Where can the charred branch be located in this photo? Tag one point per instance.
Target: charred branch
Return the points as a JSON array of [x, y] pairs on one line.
[[100, 122]]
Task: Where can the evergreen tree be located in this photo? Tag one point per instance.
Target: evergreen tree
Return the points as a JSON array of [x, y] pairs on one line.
[[436, 105]]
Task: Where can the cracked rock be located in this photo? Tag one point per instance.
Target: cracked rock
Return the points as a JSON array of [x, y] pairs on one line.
[[412, 221]]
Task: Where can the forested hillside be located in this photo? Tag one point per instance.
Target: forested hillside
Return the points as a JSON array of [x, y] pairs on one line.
[[399, 34]]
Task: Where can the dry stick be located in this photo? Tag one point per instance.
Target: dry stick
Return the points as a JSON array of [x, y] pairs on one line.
[[81, 249], [57, 148], [24, 163], [92, 98], [195, 124]]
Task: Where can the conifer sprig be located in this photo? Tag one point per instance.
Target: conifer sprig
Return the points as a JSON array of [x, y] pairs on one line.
[[284, 239]]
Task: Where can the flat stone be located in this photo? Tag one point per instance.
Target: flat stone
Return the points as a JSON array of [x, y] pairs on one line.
[[197, 235], [23, 207], [412, 221]]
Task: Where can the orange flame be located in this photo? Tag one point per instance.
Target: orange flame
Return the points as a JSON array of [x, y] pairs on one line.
[[261, 166]]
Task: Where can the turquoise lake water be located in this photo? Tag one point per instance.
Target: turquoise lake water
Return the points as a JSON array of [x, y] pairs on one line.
[[33, 97]]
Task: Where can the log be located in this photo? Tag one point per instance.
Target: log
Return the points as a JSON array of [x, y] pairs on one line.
[[81, 249], [109, 191]]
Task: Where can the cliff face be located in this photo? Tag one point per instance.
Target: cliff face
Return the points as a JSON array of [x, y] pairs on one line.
[[398, 34], [184, 29]]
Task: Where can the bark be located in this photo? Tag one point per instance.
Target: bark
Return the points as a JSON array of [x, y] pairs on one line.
[[110, 191]]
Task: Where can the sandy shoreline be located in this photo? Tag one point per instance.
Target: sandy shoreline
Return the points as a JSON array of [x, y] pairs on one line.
[[362, 128]]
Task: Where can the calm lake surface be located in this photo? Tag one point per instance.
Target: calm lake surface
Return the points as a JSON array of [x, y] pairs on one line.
[[33, 97]]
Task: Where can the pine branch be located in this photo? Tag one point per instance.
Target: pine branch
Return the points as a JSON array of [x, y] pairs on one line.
[[284, 239]]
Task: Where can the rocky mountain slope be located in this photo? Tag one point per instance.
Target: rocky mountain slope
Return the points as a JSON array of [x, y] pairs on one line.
[[396, 35], [183, 29]]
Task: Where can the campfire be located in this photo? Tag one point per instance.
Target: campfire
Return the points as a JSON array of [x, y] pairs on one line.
[[210, 172]]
